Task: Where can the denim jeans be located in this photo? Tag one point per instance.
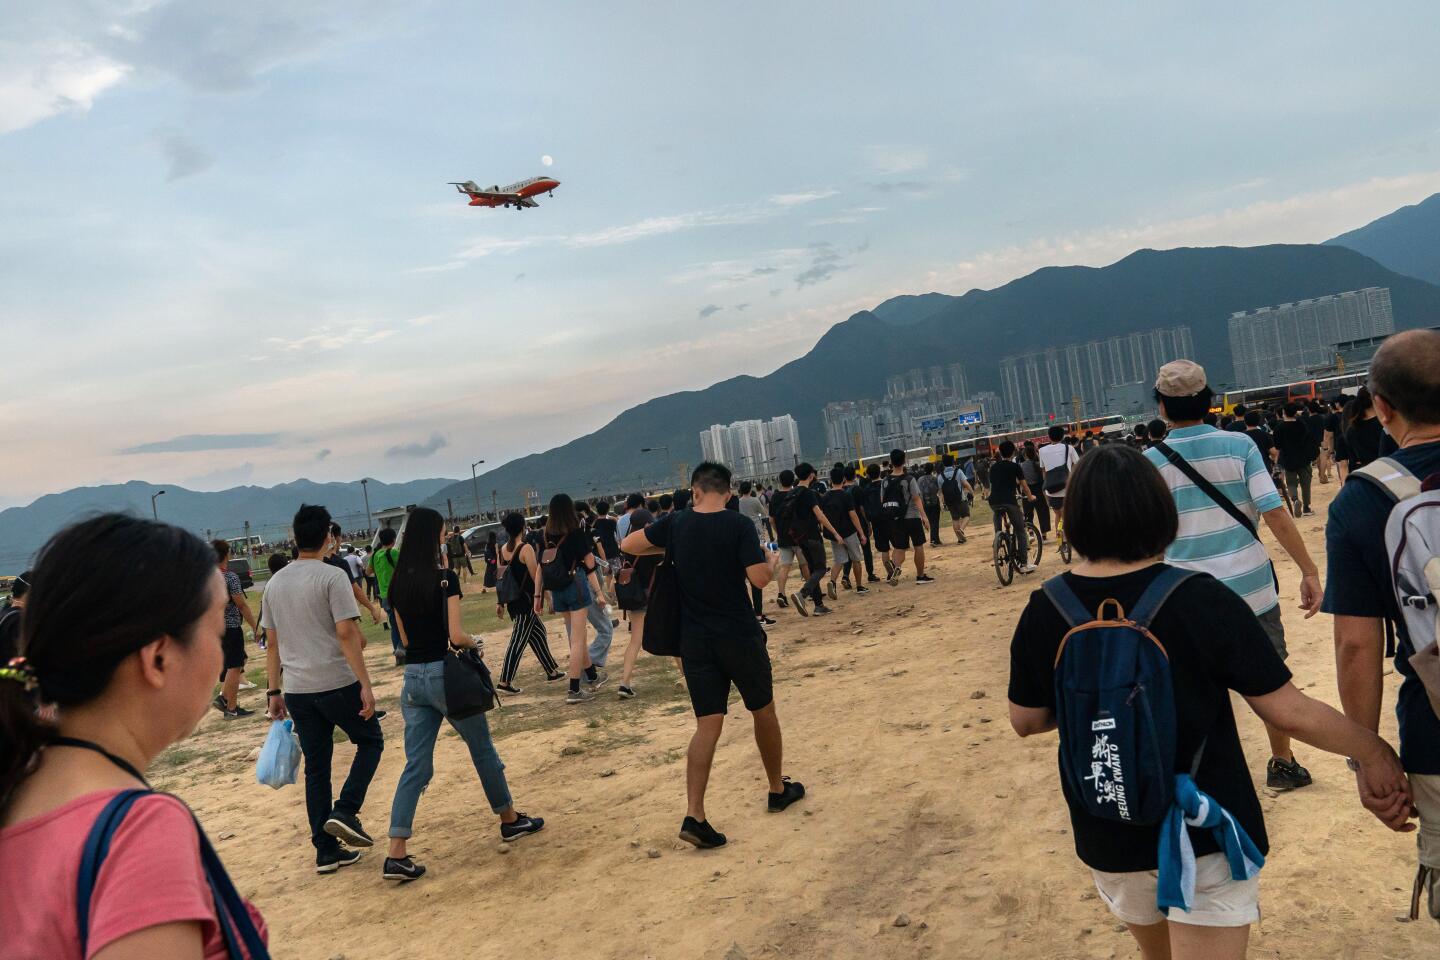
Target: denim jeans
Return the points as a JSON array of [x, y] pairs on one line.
[[422, 703], [1298, 483], [316, 716], [394, 630], [815, 557], [604, 634]]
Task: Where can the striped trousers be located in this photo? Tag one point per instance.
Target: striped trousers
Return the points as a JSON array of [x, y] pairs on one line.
[[528, 630]]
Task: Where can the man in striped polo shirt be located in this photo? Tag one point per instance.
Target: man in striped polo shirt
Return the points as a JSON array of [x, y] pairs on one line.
[[1222, 488]]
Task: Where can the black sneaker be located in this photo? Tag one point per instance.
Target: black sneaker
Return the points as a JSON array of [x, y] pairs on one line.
[[833, 593], [871, 578], [766, 621], [1286, 774], [625, 693], [924, 578], [219, 703], [601, 678], [239, 713], [346, 826], [522, 826], [552, 677], [861, 591], [800, 607], [509, 688], [332, 860], [402, 870], [701, 834], [845, 582], [960, 538], [780, 601], [822, 611], [791, 792]]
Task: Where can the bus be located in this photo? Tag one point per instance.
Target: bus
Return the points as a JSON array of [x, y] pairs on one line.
[[988, 445], [1322, 388]]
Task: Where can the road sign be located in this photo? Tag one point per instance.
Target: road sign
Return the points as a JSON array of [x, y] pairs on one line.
[[969, 417], [937, 423]]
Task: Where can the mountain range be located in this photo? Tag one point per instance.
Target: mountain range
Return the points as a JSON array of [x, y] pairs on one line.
[[1053, 306]]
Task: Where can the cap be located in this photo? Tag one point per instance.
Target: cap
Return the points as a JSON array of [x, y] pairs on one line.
[[1180, 378]]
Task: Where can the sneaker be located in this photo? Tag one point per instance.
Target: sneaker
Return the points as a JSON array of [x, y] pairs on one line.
[[861, 591], [332, 860], [701, 834], [601, 678], [960, 538], [379, 715], [580, 696], [789, 793], [781, 601], [871, 578], [346, 826], [1286, 775], [894, 578], [509, 688], [523, 826], [246, 685], [845, 582], [625, 693], [924, 578], [800, 607], [239, 713], [402, 870], [831, 591], [766, 621], [1029, 568], [219, 703], [552, 677], [822, 611], [1308, 512], [384, 624]]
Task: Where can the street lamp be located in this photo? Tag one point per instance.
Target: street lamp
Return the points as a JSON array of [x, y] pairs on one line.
[[475, 487], [365, 489], [153, 511]]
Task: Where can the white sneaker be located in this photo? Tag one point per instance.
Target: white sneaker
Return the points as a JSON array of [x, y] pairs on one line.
[[1029, 568], [246, 685]]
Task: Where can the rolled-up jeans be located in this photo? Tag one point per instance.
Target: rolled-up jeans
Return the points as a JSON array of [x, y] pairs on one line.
[[599, 618], [422, 703], [1017, 523]]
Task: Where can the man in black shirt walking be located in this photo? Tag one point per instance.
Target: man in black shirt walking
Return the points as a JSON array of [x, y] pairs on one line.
[[806, 520], [1292, 440], [715, 552]]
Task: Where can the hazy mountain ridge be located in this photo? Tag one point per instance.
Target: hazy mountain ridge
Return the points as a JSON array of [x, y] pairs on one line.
[[1406, 241]]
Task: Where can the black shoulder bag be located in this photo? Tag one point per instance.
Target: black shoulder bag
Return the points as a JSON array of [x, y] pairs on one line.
[[1209, 489], [662, 609]]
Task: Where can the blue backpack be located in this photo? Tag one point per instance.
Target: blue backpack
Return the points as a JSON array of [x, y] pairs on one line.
[[1115, 704], [235, 924]]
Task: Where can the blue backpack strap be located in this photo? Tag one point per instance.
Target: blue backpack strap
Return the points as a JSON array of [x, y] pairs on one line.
[[1157, 593], [1064, 599], [97, 847]]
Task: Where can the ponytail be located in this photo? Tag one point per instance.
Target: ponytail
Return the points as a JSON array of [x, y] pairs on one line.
[[79, 627]]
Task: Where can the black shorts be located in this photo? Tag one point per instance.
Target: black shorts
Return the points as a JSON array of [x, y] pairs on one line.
[[957, 507], [907, 533], [880, 535], [710, 667], [233, 647]]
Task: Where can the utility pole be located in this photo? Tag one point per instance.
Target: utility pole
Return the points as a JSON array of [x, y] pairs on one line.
[[365, 489], [450, 510], [475, 487], [247, 538], [495, 504]]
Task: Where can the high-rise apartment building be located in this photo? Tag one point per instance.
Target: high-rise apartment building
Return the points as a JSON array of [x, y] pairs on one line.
[[1285, 342], [1037, 385], [753, 448]]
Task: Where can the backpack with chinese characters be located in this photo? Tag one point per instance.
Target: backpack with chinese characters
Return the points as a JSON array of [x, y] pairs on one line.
[[1115, 704], [1412, 541], [893, 501]]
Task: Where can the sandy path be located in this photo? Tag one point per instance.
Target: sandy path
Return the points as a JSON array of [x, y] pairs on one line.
[[922, 802]]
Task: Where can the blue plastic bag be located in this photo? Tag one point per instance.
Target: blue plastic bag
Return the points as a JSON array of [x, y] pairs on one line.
[[279, 757]]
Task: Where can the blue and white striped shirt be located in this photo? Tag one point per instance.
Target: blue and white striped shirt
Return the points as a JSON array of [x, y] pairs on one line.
[[1210, 540]]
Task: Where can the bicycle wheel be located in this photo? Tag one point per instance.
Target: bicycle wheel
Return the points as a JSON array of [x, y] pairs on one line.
[[1004, 568], [1065, 551], [1037, 546]]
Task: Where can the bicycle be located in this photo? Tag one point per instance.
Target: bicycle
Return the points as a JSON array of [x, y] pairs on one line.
[[1006, 550], [1061, 543]]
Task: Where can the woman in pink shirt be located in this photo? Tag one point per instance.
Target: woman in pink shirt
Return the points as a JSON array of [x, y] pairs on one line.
[[126, 661]]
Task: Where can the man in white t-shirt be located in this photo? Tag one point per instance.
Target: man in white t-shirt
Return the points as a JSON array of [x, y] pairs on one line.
[[1057, 459]]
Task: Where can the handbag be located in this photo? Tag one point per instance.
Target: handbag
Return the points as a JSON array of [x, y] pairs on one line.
[[662, 608], [508, 587], [469, 688]]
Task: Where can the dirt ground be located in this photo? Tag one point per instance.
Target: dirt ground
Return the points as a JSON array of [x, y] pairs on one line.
[[929, 829]]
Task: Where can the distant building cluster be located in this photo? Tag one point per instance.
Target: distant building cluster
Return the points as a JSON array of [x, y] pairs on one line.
[[753, 448], [1097, 377], [1290, 341], [921, 406]]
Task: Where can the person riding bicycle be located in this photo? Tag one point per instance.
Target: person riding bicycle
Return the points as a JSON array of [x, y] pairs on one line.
[[1006, 486]]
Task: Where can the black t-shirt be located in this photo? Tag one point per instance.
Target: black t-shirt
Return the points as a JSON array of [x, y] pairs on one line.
[[427, 625], [605, 531], [338, 562], [777, 504], [857, 503], [455, 545], [1315, 426], [1293, 442], [711, 552], [515, 567], [573, 549], [10, 632], [805, 502], [1215, 645], [1005, 479], [1332, 423], [837, 505], [1364, 440], [1264, 441]]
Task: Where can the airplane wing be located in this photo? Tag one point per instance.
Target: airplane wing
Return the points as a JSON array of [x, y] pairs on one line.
[[520, 201]]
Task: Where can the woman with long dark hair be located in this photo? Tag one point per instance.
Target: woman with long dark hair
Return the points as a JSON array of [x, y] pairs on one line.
[[129, 659], [426, 598], [570, 557], [1364, 436], [488, 555], [522, 564], [642, 570]]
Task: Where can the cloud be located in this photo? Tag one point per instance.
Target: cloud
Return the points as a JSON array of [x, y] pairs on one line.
[[222, 478], [329, 337], [709, 310], [763, 271], [192, 442], [485, 246], [321, 455], [427, 449], [825, 262], [183, 156], [43, 76], [890, 160], [914, 188], [741, 307], [660, 226], [795, 199]]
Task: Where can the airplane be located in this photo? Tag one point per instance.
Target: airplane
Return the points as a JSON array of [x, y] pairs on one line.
[[517, 195]]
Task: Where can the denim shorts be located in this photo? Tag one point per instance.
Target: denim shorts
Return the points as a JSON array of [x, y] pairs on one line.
[[574, 597]]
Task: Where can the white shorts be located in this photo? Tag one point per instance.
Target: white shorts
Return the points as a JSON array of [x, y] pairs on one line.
[[1219, 901]]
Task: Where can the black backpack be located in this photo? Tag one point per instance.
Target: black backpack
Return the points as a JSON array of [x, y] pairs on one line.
[[555, 574], [786, 519], [510, 582], [893, 501], [950, 487]]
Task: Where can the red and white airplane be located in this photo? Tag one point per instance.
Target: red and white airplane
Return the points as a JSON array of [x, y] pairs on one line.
[[517, 195]]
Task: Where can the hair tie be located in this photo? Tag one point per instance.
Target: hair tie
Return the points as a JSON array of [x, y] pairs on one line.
[[20, 671]]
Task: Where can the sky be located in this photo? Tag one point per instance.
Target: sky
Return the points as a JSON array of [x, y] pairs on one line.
[[229, 253]]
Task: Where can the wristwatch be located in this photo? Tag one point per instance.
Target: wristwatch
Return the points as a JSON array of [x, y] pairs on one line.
[[1352, 764], [272, 693]]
